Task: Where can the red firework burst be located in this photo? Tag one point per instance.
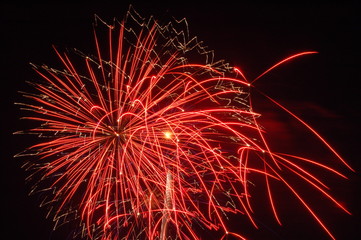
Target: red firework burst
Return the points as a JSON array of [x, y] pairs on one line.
[[148, 143]]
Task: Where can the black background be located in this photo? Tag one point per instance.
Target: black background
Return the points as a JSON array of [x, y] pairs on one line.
[[323, 88]]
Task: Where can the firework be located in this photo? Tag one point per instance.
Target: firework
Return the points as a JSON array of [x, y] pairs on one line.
[[141, 141]]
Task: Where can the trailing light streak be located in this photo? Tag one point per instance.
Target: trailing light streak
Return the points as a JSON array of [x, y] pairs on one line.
[[148, 144], [283, 61]]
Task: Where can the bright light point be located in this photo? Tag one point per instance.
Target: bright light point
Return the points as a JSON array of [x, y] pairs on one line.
[[167, 135], [138, 214]]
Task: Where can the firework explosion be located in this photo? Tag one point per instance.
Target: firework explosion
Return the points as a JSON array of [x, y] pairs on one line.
[[143, 142]]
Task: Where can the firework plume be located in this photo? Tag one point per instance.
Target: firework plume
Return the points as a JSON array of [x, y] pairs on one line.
[[150, 138]]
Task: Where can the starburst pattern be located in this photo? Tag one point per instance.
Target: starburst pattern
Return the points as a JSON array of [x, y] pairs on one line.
[[142, 141]]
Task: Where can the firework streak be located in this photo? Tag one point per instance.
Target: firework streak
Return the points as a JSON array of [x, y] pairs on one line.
[[143, 142]]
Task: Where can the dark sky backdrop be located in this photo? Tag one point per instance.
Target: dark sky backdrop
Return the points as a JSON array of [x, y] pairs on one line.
[[324, 89]]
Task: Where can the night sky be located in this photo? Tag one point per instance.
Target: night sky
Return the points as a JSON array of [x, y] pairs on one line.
[[322, 88]]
